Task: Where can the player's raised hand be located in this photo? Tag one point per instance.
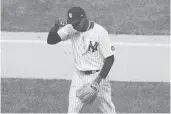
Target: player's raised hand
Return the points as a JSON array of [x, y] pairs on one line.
[[56, 26], [60, 23], [57, 22]]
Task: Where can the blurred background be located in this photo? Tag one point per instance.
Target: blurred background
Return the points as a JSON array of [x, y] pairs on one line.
[[145, 17]]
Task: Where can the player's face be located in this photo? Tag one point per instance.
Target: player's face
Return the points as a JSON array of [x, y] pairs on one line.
[[79, 26]]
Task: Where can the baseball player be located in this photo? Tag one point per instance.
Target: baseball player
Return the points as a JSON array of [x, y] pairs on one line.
[[94, 56]]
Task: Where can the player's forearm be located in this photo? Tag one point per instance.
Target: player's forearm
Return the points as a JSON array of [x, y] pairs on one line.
[[105, 69], [53, 36]]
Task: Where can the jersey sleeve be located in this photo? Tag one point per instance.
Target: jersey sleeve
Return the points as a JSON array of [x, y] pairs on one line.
[[66, 32], [106, 47]]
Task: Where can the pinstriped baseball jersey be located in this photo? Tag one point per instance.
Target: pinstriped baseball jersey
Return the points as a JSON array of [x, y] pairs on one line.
[[91, 47]]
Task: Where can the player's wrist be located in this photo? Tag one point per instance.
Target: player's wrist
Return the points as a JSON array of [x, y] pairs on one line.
[[98, 79], [54, 29]]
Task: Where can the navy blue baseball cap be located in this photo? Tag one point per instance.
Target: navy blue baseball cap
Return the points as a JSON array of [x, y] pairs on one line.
[[75, 14]]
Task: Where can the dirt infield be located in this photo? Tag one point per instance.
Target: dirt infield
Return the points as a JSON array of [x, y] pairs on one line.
[[137, 58]]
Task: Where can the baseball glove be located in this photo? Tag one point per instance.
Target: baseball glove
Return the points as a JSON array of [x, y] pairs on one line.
[[88, 92]]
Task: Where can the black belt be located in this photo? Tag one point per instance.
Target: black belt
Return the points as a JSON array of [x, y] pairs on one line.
[[90, 72]]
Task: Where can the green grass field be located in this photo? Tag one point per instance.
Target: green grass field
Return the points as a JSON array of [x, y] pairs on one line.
[[51, 96], [146, 17]]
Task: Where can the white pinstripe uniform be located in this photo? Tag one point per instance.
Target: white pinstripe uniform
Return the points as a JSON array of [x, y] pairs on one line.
[[90, 48]]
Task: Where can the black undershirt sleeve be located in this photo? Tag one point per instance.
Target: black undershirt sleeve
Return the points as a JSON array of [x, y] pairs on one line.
[[53, 37], [107, 66]]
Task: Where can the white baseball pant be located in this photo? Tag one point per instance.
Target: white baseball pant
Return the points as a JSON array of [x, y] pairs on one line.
[[103, 100]]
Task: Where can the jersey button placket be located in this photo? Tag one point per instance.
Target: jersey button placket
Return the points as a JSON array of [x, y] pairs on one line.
[[83, 45]]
